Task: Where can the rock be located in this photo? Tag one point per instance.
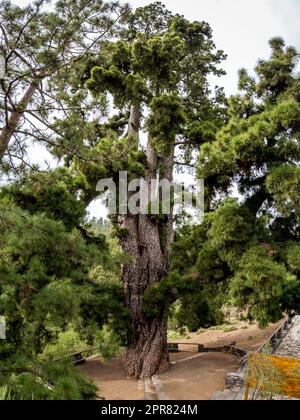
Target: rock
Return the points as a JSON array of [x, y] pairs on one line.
[[234, 380]]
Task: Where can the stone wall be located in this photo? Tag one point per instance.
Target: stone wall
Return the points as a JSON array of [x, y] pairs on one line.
[[290, 343]]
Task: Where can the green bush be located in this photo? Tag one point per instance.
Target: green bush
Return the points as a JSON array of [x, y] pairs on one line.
[[109, 343], [50, 381], [68, 342]]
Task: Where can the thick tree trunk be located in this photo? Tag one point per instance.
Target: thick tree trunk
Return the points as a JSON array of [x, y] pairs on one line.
[[148, 352], [150, 254]]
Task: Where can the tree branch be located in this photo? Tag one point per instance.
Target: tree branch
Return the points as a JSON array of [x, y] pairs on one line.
[[190, 165]]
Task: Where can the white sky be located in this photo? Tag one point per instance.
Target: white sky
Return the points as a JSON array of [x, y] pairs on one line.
[[242, 28]]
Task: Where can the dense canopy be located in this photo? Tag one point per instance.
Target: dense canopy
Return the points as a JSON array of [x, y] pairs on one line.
[[106, 89]]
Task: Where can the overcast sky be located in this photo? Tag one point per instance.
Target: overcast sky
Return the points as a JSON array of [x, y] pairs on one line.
[[242, 28]]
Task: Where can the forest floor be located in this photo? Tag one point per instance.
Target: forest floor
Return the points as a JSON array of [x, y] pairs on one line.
[[192, 376]]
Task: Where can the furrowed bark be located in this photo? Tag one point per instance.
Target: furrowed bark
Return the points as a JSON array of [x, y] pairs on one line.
[[148, 351], [134, 120]]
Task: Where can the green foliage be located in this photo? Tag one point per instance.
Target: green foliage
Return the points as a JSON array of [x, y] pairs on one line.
[[51, 46], [109, 343], [52, 381], [230, 229], [260, 283], [199, 305], [42, 268], [60, 284], [166, 118], [161, 62], [51, 193], [45, 286], [105, 305], [5, 394], [67, 342], [293, 256], [151, 19], [284, 184], [254, 242]]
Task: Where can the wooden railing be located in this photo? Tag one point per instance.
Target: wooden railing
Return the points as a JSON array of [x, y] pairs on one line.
[[79, 356]]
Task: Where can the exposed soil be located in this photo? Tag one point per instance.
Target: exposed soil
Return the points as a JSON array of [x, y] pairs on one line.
[[195, 379], [247, 337]]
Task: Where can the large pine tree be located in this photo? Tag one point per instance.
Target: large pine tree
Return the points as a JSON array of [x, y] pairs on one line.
[[157, 75], [155, 70]]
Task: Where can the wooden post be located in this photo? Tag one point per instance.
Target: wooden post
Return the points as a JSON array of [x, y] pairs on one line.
[[246, 395]]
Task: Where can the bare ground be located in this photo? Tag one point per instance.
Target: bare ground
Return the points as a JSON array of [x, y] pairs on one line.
[[189, 379], [111, 380], [247, 337], [198, 378]]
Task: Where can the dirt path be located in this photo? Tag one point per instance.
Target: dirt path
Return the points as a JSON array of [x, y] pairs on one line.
[[198, 378], [111, 381], [195, 379]]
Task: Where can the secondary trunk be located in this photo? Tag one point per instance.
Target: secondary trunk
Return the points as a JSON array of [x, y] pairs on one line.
[[15, 118]]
